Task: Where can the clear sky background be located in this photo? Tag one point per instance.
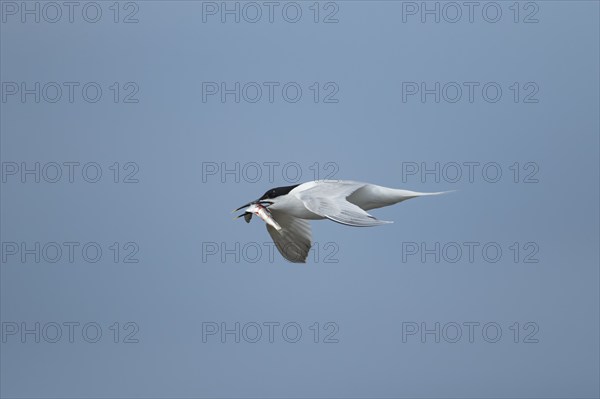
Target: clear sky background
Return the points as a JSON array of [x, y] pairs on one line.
[[366, 282]]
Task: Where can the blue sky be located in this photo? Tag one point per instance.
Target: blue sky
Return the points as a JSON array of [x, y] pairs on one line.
[[353, 99]]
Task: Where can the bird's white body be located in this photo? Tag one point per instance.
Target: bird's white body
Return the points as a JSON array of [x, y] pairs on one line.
[[294, 206], [342, 201], [364, 195]]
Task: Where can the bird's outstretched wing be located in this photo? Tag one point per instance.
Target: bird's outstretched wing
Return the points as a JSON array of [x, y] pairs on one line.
[[294, 240], [329, 199]]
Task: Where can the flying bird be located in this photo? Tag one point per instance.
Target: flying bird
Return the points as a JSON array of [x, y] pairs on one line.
[[287, 210]]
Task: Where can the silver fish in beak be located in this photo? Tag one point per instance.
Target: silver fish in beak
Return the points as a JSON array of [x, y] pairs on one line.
[[246, 215], [256, 208]]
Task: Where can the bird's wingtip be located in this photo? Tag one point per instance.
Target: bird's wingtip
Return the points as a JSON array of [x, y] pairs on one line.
[[437, 193], [446, 192]]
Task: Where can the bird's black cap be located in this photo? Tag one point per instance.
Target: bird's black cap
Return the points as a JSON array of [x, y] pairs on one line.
[[277, 191]]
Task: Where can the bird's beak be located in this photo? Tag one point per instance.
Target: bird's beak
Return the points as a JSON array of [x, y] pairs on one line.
[[263, 203], [244, 206], [247, 215]]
